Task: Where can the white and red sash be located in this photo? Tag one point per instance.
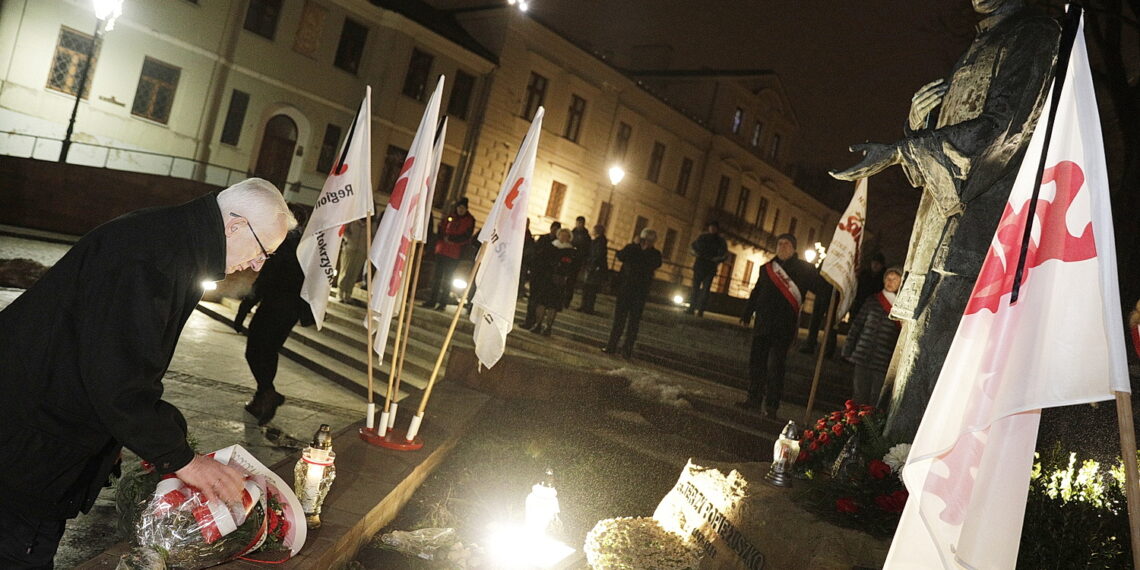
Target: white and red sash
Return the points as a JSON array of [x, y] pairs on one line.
[[887, 303], [785, 285]]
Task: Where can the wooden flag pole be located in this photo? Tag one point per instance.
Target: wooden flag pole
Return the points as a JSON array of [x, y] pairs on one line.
[[368, 318], [392, 368], [1132, 484], [819, 358], [447, 339], [411, 307]]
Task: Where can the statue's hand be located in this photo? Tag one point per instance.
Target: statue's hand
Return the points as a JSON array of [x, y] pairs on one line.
[[876, 158], [924, 101]]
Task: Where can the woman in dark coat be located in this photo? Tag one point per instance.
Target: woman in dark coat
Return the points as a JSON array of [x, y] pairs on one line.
[[871, 340], [555, 262]]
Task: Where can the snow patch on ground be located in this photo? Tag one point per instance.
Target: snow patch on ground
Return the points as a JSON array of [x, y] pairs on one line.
[[653, 386]]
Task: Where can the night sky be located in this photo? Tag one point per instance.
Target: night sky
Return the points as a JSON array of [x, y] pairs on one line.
[[849, 69]]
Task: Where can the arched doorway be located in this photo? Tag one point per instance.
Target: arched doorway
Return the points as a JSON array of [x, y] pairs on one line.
[[277, 146]]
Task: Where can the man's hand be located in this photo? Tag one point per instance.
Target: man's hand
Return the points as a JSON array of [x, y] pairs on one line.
[[924, 101], [876, 158], [214, 480]]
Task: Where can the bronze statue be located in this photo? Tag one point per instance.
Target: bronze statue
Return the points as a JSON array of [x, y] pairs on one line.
[[965, 139]]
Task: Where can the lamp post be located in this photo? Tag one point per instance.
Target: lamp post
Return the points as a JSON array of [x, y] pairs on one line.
[[105, 13], [616, 174]]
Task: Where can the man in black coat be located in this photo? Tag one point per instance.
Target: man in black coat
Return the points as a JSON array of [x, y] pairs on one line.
[[709, 249], [83, 353], [775, 300], [639, 260], [597, 269], [279, 288]]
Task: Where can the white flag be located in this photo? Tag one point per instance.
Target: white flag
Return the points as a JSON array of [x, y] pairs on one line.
[[390, 247], [497, 283], [1060, 343], [841, 266], [346, 196], [423, 223]]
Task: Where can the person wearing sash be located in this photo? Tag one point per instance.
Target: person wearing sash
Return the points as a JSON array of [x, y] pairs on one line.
[[775, 300], [871, 340]]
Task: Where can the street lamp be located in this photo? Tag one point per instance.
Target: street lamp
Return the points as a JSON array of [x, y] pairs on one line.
[[106, 11], [616, 173]]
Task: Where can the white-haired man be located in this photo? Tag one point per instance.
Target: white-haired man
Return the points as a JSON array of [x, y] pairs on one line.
[[639, 260], [85, 349]]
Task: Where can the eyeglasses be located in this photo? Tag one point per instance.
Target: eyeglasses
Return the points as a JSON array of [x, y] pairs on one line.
[[265, 255]]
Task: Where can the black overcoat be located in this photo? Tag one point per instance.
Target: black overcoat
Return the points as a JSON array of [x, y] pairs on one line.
[[83, 353]]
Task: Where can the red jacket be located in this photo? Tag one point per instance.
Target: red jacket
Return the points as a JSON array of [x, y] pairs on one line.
[[454, 234]]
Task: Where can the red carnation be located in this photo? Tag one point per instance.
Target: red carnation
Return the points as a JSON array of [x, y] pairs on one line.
[[823, 438], [802, 457], [836, 416], [894, 502], [814, 446], [837, 429], [878, 469], [847, 505], [809, 435], [849, 404]]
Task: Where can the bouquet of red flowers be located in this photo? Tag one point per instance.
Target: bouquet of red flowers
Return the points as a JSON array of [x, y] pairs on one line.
[[821, 442], [171, 524]]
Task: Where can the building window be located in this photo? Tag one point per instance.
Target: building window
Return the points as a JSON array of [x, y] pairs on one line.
[[737, 120], [792, 225], [604, 212], [351, 46], [415, 82], [155, 94], [535, 95], [756, 130], [235, 116], [393, 163], [670, 243], [774, 152], [67, 64], [639, 225], [461, 89], [655, 161], [554, 203], [574, 119], [722, 193], [742, 204], [683, 177], [746, 279], [621, 144], [261, 17], [442, 185], [776, 220], [308, 38], [761, 212], [327, 159], [811, 237]]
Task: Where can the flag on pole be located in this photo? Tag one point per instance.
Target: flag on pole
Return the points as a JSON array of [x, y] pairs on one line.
[[1060, 343], [346, 196], [390, 247], [497, 282], [841, 266], [423, 224]]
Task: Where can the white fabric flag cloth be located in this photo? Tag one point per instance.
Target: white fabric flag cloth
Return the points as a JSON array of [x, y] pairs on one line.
[[1060, 343], [346, 196], [841, 266], [423, 222], [497, 283], [390, 247]]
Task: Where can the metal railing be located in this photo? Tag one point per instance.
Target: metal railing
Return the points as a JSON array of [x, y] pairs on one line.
[[37, 147]]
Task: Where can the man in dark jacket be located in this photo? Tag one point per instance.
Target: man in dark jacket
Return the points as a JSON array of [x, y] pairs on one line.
[[597, 269], [454, 235], [83, 353], [710, 249], [775, 300], [639, 260], [279, 288], [580, 238]]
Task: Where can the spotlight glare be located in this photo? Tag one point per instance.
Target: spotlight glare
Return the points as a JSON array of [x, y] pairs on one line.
[[458, 283], [678, 299], [209, 285]]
